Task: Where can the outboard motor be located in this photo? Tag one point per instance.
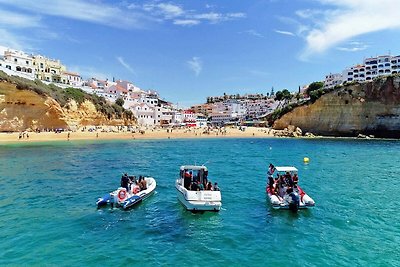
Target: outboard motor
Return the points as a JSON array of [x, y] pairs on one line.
[[294, 202]]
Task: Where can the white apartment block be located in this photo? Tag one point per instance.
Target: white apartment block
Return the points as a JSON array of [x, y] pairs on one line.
[[258, 108], [71, 78], [221, 117], [372, 67], [144, 114], [18, 63], [333, 79]]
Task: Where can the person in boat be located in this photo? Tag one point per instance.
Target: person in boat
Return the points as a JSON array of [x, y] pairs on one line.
[[216, 188], [200, 186], [271, 169], [281, 189], [194, 187], [125, 181], [144, 184], [187, 180], [209, 186], [295, 179], [139, 183]]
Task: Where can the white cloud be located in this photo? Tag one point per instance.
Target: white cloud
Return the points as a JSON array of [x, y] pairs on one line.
[[186, 22], [90, 11], [170, 10], [196, 65], [285, 32], [214, 17], [122, 16], [125, 65], [254, 33], [16, 20], [353, 47], [348, 19], [179, 16]]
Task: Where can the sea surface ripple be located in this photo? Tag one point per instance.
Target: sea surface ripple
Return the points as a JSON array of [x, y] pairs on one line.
[[48, 214]]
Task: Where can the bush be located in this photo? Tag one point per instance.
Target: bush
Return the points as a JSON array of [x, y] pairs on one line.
[[119, 101]]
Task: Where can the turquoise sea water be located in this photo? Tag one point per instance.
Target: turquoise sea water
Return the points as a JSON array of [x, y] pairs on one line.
[[48, 214]]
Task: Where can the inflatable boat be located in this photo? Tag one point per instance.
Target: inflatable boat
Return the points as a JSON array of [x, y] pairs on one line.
[[284, 192], [126, 199]]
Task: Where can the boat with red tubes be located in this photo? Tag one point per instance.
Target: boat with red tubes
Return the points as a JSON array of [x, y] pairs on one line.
[[283, 190]]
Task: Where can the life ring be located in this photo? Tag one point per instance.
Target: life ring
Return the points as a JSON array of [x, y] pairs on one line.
[[122, 194], [136, 190]]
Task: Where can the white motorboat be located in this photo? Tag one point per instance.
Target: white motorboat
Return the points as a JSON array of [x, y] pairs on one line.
[[194, 190], [124, 198], [284, 192]]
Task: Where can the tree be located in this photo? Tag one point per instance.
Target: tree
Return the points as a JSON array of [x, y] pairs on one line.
[[279, 96], [286, 94], [314, 86], [120, 102]]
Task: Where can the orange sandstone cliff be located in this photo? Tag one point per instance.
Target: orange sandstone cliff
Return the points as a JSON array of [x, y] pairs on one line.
[[369, 108], [26, 110]]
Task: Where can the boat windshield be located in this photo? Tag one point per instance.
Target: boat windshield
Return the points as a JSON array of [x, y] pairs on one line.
[[194, 174]]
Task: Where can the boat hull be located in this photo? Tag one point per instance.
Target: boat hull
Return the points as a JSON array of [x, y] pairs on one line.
[[199, 204], [305, 200]]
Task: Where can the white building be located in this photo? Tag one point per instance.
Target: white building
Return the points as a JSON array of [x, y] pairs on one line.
[[258, 108], [18, 63], [221, 117], [71, 78], [201, 120], [333, 79], [144, 114], [372, 67]]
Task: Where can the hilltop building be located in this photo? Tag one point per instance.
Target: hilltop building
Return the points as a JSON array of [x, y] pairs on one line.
[[372, 67], [18, 63]]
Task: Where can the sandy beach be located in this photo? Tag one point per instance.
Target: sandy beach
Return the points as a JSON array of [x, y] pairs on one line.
[[114, 134]]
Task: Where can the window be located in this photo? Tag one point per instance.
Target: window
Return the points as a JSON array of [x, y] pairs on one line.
[[15, 60]]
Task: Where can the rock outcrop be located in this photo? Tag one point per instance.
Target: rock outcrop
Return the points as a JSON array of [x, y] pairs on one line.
[[370, 109], [22, 109]]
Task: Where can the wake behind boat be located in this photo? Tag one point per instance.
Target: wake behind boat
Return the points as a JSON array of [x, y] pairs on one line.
[[131, 192], [283, 190], [195, 191]]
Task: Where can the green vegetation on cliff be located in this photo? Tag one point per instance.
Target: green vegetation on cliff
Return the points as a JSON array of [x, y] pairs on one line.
[[62, 96]]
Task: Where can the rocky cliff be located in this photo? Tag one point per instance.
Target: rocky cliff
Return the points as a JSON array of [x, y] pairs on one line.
[[369, 108], [23, 109]]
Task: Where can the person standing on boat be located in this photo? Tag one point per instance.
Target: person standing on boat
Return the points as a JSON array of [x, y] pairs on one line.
[[271, 170], [187, 180], [125, 181]]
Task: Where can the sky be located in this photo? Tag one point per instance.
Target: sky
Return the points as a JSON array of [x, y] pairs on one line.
[[188, 50]]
